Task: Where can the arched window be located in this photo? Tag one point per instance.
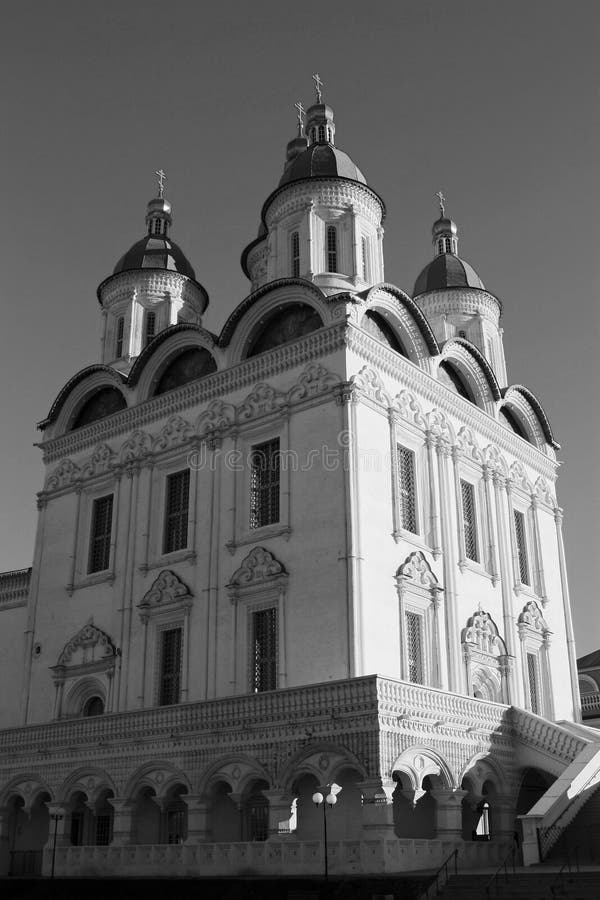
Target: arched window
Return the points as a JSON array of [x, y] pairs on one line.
[[331, 248], [288, 324], [188, 366], [321, 133], [104, 402], [295, 254], [375, 325], [440, 246], [507, 418], [157, 226], [93, 707], [365, 258], [447, 245]]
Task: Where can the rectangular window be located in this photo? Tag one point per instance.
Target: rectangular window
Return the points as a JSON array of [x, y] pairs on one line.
[[176, 511], [467, 491], [414, 647], [170, 666], [100, 535], [264, 650], [120, 333], [532, 677], [331, 248], [521, 537], [149, 327], [103, 830], [407, 506], [295, 255], [264, 484]]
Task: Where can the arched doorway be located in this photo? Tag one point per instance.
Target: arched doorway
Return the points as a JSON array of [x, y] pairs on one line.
[[224, 815], [344, 820], [309, 818], [534, 785], [175, 816], [27, 835], [255, 812], [146, 817], [414, 810], [102, 825]]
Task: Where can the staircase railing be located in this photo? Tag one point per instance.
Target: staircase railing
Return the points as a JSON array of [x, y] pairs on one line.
[[441, 876], [566, 869], [549, 835], [502, 870]]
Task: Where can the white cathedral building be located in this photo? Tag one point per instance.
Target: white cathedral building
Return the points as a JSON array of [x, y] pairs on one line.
[[320, 551]]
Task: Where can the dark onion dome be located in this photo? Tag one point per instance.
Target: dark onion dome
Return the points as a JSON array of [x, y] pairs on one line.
[[155, 252], [322, 161], [447, 271]]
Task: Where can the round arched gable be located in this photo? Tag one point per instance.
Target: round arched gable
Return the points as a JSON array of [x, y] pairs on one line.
[[474, 369], [525, 404], [150, 367], [90, 780], [159, 775], [405, 319], [77, 391]]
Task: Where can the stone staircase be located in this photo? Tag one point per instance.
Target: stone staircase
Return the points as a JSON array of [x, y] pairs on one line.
[[534, 884], [581, 838]]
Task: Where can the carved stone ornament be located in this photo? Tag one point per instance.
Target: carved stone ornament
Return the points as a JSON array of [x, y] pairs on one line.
[[102, 461], [314, 380], [531, 616], [259, 566], [519, 478], [89, 645], [481, 632], [544, 493], [218, 417], [370, 385], [408, 407], [437, 423], [417, 570], [263, 400], [166, 590], [468, 446], [177, 431], [136, 447], [66, 473]]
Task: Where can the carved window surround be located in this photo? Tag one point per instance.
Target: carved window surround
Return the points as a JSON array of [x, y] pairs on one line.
[[535, 638], [260, 582], [82, 527], [486, 660], [88, 660], [412, 439], [166, 605], [419, 592]]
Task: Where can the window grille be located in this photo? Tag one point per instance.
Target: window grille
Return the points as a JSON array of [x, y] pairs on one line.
[[76, 829], [158, 226], [177, 824], [447, 245], [295, 254], [264, 484], [257, 819], [170, 666], [521, 537], [120, 333], [321, 133], [100, 536], [264, 650], [176, 511], [93, 707], [150, 327], [407, 507], [414, 647], [365, 261], [331, 248], [467, 491], [532, 677], [441, 246], [103, 829]]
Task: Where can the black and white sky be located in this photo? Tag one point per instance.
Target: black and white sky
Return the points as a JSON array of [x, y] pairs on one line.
[[494, 103]]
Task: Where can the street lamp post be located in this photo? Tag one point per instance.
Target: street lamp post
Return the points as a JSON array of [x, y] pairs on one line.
[[56, 818], [330, 800]]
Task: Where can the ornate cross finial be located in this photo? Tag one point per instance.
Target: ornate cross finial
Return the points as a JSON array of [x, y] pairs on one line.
[[162, 177], [301, 112], [441, 200], [318, 85]]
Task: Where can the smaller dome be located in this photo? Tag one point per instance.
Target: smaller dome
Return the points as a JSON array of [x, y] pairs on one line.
[[158, 206], [322, 161], [447, 271], [443, 226], [155, 252]]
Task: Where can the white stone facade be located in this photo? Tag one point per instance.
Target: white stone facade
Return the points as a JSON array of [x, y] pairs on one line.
[[386, 608]]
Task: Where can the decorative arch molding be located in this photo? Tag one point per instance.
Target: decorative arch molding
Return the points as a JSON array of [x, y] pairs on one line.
[[76, 390], [87, 664], [368, 384], [416, 570], [101, 462], [468, 446], [238, 771], [520, 479], [90, 780], [544, 493], [406, 318], [138, 446], [531, 617], [258, 570], [160, 775], [486, 659], [167, 591], [406, 405], [28, 786], [321, 760], [242, 325], [475, 368], [176, 432], [535, 638], [419, 763], [480, 769], [66, 474], [421, 638], [532, 412], [163, 350], [439, 426]]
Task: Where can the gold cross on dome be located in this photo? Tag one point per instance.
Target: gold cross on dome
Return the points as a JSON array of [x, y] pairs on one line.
[[301, 112], [162, 177], [318, 85], [441, 200]]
